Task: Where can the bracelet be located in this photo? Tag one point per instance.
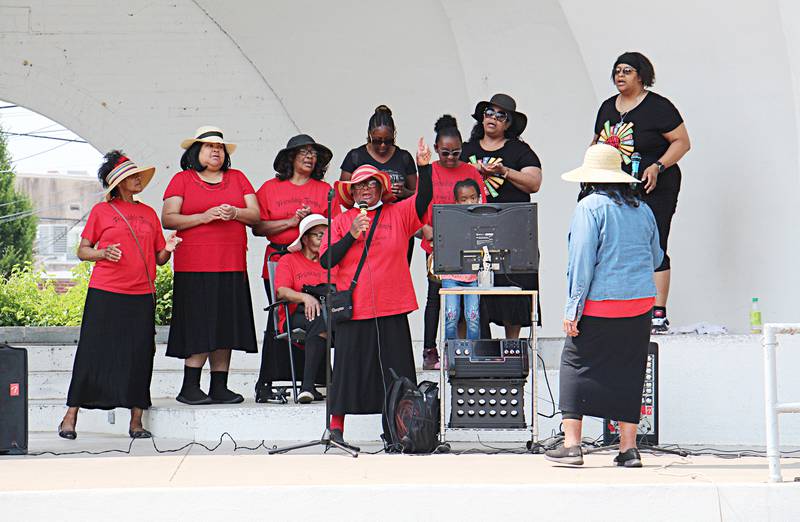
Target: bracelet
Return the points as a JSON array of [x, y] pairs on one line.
[[235, 212]]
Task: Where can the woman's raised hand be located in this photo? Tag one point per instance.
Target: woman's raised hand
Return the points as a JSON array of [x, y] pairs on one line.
[[360, 224], [423, 153], [172, 242]]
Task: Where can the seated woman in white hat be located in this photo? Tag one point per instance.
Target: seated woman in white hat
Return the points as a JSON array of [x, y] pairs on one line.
[[123, 237], [297, 271], [210, 205], [613, 249]]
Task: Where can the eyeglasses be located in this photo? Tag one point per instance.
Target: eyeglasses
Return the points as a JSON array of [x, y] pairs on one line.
[[307, 153], [624, 71], [498, 115], [368, 184], [449, 153], [316, 235], [381, 141]]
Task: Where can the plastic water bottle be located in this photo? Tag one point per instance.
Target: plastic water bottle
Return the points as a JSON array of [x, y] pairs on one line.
[[755, 317]]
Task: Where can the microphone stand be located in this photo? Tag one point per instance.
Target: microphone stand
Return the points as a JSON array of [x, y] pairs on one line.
[[325, 440]]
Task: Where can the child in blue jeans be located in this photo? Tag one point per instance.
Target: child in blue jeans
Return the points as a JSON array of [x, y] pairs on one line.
[[466, 192]]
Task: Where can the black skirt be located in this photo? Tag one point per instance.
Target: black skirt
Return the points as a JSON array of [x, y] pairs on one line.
[[361, 365], [114, 361], [211, 311], [603, 368], [501, 310]]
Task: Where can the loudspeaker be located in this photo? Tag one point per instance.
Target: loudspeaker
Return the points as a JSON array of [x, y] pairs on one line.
[[13, 400], [647, 433]]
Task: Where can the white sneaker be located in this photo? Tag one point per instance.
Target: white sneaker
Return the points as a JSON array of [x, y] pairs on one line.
[[305, 397]]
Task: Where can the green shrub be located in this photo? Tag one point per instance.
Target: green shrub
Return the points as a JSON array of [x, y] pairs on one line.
[[28, 298]]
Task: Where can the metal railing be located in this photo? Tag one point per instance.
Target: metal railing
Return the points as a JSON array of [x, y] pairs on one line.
[[771, 405]]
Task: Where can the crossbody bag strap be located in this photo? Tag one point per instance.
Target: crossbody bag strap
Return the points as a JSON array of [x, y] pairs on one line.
[[366, 247], [141, 252]]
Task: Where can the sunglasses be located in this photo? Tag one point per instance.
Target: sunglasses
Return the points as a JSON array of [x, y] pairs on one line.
[[381, 141], [449, 153], [368, 184], [500, 116], [624, 71], [307, 153]]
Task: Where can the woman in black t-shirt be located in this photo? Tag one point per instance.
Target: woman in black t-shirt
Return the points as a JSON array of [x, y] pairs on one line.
[[381, 152], [640, 121], [513, 172]]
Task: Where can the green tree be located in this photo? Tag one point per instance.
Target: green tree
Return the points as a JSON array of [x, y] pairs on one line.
[[17, 222]]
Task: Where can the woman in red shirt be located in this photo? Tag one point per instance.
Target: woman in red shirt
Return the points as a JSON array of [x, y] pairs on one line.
[[448, 171], [377, 338], [296, 271], [296, 191], [210, 204], [114, 361]]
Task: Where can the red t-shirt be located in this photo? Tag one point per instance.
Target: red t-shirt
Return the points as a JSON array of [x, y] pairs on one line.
[[219, 246], [105, 227], [294, 271], [616, 308], [280, 199], [384, 286], [444, 180]]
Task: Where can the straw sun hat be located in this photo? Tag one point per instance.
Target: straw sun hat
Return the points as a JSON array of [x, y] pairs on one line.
[[601, 164], [208, 134], [123, 169]]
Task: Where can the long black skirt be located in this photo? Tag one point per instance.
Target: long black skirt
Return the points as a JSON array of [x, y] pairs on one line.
[[603, 368], [211, 311], [361, 364], [510, 310], [114, 361]]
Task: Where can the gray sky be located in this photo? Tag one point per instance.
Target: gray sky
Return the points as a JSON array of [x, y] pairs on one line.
[[42, 155]]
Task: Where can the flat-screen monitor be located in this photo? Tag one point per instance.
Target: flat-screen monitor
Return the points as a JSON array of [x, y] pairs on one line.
[[509, 230]]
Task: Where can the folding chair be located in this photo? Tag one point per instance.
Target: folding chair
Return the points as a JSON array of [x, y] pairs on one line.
[[291, 335]]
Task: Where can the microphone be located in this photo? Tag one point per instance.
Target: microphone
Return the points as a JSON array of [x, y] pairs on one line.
[[635, 159], [363, 206]]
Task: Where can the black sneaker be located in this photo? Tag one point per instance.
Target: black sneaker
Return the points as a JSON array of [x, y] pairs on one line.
[[629, 459], [659, 324], [338, 437], [225, 396], [193, 396], [564, 455]]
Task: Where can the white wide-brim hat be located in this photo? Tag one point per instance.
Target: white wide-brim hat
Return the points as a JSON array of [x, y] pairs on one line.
[[208, 134], [601, 164], [308, 222]]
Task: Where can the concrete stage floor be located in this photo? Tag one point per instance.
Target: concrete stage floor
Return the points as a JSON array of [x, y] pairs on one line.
[[251, 485]]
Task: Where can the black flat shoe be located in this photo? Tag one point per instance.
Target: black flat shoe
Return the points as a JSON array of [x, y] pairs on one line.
[[226, 397], [338, 437], [140, 434], [67, 434], [629, 459], [572, 455], [194, 399]]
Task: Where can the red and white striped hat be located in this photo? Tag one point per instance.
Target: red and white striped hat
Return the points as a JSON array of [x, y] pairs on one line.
[[345, 188], [122, 170]]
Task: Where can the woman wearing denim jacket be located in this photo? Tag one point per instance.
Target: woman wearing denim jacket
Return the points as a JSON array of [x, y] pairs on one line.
[[613, 249]]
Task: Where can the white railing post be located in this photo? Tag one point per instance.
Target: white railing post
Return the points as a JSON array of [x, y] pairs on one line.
[[771, 405]]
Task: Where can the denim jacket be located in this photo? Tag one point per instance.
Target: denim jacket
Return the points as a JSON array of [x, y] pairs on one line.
[[613, 251]]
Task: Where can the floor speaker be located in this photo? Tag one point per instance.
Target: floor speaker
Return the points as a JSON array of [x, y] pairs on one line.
[[13, 400]]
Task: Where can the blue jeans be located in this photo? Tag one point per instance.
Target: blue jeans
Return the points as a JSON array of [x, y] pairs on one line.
[[452, 311]]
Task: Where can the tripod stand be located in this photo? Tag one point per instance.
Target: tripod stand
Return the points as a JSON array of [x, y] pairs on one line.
[[325, 440]]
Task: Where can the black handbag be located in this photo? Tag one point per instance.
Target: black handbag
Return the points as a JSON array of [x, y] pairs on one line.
[[341, 305]]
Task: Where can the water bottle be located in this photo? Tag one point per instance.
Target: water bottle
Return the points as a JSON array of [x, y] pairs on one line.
[[755, 317]]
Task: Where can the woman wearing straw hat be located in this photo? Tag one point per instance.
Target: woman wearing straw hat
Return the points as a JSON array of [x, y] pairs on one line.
[[296, 191], [512, 172], [613, 249], [377, 338], [114, 361], [295, 272], [210, 204]]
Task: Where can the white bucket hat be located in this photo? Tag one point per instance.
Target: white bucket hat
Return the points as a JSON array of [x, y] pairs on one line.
[[308, 222], [208, 134], [601, 164]]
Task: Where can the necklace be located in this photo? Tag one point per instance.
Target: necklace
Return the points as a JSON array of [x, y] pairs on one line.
[[636, 102]]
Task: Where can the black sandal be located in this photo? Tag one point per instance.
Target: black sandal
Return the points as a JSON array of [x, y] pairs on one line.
[[67, 434], [140, 434]]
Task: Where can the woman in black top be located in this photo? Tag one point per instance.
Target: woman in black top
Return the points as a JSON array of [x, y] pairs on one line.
[[638, 120], [499, 152], [381, 152]]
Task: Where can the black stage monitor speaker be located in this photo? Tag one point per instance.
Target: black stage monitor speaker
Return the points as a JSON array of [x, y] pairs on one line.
[[13, 400]]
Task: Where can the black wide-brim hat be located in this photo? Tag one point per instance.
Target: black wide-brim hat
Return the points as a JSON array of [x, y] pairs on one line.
[[518, 120], [324, 154]]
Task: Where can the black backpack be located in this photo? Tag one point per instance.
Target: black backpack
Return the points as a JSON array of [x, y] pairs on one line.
[[413, 416]]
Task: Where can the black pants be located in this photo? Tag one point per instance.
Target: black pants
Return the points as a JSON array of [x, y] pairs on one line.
[[315, 345], [432, 309]]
